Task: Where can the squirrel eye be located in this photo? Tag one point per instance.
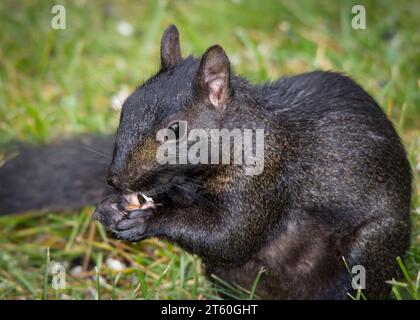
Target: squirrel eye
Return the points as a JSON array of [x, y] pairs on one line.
[[175, 128]]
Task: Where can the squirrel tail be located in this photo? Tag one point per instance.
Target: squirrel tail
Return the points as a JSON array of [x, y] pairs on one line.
[[64, 175]]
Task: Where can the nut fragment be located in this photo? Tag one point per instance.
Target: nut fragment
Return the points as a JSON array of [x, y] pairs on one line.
[[148, 199], [132, 199], [133, 202], [149, 204]]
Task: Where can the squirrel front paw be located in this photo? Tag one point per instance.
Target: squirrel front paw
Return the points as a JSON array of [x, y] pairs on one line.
[[109, 213], [134, 226], [122, 220]]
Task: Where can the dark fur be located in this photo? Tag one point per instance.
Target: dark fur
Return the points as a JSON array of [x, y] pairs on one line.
[[336, 182]]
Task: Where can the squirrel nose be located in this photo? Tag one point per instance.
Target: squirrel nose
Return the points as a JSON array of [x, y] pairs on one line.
[[117, 183], [114, 179], [122, 179]]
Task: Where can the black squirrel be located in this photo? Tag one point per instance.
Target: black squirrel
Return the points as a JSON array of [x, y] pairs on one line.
[[336, 181]]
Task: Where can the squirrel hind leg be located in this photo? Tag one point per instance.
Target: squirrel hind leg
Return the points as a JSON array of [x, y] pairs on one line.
[[369, 261], [374, 251], [371, 247]]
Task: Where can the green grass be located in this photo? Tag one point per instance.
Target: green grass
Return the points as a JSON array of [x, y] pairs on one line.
[[56, 83]]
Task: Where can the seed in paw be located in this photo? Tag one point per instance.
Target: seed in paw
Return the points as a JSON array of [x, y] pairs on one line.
[[133, 202]]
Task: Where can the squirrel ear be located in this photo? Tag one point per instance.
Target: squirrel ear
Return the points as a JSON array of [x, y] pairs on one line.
[[213, 77], [170, 51]]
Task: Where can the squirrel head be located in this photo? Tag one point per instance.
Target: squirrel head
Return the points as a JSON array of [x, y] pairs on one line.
[[198, 91]]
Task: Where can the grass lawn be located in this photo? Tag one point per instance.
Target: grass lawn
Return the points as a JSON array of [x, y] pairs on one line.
[[60, 83]]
